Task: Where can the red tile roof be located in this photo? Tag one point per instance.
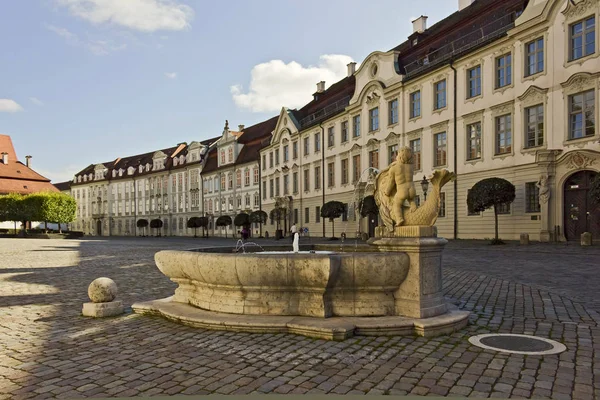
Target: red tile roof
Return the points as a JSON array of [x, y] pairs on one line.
[[16, 177]]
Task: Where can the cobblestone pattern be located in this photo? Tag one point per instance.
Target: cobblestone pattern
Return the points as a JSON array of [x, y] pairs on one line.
[[47, 350]]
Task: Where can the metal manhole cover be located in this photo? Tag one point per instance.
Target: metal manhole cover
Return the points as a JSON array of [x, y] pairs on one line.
[[519, 344]]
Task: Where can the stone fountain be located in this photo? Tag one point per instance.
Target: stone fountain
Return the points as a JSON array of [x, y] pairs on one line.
[[393, 286]]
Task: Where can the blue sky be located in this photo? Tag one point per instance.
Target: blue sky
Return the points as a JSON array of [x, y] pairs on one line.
[[87, 81]]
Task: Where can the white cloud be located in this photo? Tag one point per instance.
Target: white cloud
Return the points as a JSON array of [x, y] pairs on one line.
[[97, 47], [36, 101], [141, 15], [10, 106], [171, 75], [275, 84]]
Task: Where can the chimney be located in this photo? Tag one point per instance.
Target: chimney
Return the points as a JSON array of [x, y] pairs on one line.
[[241, 128], [420, 24], [351, 68], [27, 161], [462, 4], [4, 158], [321, 87]]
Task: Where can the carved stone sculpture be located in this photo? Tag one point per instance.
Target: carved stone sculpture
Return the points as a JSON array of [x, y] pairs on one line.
[[394, 186], [544, 193]]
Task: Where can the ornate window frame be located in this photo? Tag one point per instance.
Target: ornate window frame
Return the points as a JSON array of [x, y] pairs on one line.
[[533, 96], [469, 119], [437, 79], [503, 51], [506, 108], [577, 83], [413, 135], [544, 34], [468, 66], [574, 13]]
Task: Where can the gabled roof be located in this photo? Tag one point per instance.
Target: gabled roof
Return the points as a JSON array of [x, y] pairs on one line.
[[62, 186], [16, 177]]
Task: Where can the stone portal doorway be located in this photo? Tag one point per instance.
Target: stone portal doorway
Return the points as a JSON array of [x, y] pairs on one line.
[[99, 227], [580, 214]]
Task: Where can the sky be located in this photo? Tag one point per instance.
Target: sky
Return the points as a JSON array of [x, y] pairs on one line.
[[87, 81]]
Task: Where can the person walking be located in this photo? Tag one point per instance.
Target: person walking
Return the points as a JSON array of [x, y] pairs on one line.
[[293, 231]]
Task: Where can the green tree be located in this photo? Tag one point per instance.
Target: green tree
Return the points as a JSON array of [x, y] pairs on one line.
[[156, 224], [142, 224], [332, 210], [242, 219], [59, 208], [259, 217], [488, 193], [194, 222], [10, 208], [277, 214], [368, 207], [224, 220], [203, 221]]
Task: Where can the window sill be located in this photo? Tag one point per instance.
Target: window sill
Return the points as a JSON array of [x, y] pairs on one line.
[[473, 99], [439, 110], [414, 119], [504, 88], [393, 125], [534, 76], [503, 155], [533, 149], [474, 161], [373, 131], [579, 141], [581, 60]]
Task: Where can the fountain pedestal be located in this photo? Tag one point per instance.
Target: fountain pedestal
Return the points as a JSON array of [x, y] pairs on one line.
[[420, 295]]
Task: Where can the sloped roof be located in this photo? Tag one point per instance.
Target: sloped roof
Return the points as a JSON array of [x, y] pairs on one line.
[[62, 186], [16, 177]]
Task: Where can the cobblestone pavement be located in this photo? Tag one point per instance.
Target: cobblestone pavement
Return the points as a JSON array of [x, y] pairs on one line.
[[48, 350]]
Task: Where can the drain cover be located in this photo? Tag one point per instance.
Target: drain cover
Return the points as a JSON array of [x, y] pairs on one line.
[[519, 344]]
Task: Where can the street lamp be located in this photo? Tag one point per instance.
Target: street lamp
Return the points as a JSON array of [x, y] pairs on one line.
[[424, 186]]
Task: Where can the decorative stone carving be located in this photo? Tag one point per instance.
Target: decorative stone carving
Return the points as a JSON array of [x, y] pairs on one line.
[[579, 160], [414, 134], [372, 98], [503, 108], [440, 127], [578, 82], [544, 193], [574, 11], [533, 95], [394, 186]]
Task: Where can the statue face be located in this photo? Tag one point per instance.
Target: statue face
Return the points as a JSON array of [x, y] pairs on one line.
[[405, 155]]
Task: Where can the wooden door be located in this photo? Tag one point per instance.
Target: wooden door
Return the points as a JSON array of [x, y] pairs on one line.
[[580, 213]]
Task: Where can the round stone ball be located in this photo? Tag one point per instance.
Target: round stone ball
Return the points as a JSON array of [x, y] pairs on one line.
[[102, 290]]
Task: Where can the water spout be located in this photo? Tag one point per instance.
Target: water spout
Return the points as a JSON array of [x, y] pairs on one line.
[[295, 244]]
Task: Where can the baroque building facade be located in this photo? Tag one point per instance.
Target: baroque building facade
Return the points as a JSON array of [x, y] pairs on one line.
[[497, 89]]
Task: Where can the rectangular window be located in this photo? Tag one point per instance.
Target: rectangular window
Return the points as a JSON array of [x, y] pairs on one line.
[[503, 208], [271, 160], [277, 157], [503, 134], [223, 187], [355, 168], [264, 191], [392, 153], [330, 136], [582, 121], [534, 126], [439, 94], [306, 215], [442, 210], [247, 177], [306, 146], [374, 119], [331, 174], [294, 150], [415, 146], [264, 162], [439, 148], [286, 184], [393, 112], [415, 104], [474, 81], [374, 159], [286, 153], [317, 178], [474, 141], [344, 171], [344, 131], [295, 215], [317, 142], [345, 212], [503, 71], [534, 57], [271, 188], [306, 180], [256, 175], [318, 212], [277, 186], [532, 194], [582, 38], [295, 182], [356, 126]]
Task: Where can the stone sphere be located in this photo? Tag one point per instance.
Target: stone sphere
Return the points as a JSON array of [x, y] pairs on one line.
[[102, 290]]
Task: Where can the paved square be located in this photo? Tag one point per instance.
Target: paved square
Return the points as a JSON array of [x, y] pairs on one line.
[[48, 350]]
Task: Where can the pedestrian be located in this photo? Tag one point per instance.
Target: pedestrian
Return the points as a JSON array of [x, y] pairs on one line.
[[293, 231]]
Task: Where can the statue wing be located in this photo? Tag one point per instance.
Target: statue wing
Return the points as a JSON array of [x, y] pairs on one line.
[[383, 201]]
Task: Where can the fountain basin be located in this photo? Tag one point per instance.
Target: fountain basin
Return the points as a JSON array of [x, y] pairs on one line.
[[321, 284]]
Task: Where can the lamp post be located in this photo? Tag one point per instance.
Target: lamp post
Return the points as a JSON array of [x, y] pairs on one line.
[[424, 186]]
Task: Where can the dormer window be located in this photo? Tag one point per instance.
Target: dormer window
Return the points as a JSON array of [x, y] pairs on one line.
[[182, 159], [120, 172], [85, 178], [222, 156], [141, 169], [90, 176], [175, 162], [130, 170], [415, 41], [147, 166], [230, 154]]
